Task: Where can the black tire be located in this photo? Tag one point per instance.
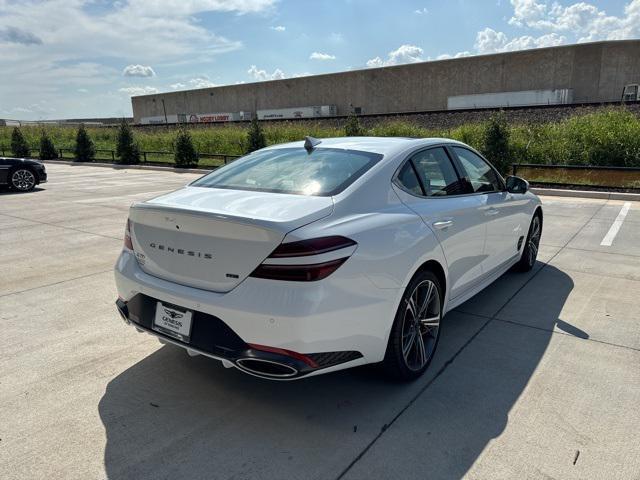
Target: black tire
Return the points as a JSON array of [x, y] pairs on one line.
[[405, 364], [22, 179], [531, 245]]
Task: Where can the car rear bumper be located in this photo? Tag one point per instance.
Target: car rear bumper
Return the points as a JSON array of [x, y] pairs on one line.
[[337, 322]]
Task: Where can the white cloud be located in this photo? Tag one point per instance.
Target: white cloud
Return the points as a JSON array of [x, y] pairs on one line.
[[584, 20], [133, 91], [375, 62], [201, 82], [421, 11], [138, 71], [581, 22], [160, 8], [404, 54], [491, 41], [197, 82], [446, 56], [51, 62], [321, 56], [261, 75], [278, 28], [526, 11]]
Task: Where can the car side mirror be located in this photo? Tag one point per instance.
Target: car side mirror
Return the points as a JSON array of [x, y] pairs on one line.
[[517, 184]]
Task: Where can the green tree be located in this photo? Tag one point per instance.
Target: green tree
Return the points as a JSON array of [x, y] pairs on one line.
[[186, 155], [127, 150], [496, 142], [255, 137], [353, 128], [47, 148], [85, 150], [19, 146]]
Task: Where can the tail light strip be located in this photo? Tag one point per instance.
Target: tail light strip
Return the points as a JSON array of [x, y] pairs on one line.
[[311, 259], [306, 260], [128, 244]]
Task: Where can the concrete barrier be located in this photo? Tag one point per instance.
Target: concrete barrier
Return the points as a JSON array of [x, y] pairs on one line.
[[560, 192]]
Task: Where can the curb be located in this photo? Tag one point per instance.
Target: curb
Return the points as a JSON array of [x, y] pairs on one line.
[[116, 166], [559, 192]]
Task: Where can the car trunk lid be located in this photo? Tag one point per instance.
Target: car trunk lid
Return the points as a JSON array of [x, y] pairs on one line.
[[213, 238]]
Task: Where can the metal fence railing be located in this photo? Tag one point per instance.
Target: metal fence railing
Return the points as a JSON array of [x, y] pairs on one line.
[[580, 175], [148, 157]]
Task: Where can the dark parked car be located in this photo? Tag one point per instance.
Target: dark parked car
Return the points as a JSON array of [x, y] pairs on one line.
[[21, 174]]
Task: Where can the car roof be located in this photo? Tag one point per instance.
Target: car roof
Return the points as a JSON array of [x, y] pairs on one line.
[[382, 145]]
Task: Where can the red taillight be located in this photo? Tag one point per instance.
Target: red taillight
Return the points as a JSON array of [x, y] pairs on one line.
[[127, 236], [288, 353], [306, 270], [314, 246], [298, 273]]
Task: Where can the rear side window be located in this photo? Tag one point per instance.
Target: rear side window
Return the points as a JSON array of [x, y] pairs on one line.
[[323, 172], [431, 173], [481, 176], [436, 172], [407, 178]]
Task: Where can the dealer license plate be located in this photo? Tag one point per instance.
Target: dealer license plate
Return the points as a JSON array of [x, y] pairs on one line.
[[172, 321]]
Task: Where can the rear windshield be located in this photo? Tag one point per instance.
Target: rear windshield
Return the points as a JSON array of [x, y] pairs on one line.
[[323, 172]]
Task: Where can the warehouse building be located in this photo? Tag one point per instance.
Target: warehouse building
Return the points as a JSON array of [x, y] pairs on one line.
[[574, 74]]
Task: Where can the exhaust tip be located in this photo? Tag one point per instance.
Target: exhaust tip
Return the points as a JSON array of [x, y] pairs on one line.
[[266, 368]]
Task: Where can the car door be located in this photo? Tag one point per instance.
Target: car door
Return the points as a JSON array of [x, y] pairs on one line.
[[429, 184], [500, 209], [4, 172]]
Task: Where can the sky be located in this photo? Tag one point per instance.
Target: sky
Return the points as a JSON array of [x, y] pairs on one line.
[[86, 58]]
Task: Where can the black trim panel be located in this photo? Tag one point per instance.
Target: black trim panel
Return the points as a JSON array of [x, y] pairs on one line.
[[210, 335]]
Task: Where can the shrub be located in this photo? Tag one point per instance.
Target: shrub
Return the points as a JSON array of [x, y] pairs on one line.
[[608, 136], [400, 128], [353, 128], [186, 155], [47, 148], [255, 137], [496, 142], [19, 146], [85, 150], [127, 150]]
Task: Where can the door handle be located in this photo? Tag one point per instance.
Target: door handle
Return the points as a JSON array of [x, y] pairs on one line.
[[442, 224], [491, 212]]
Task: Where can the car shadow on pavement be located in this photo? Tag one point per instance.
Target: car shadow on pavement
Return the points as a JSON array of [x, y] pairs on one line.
[[9, 191], [172, 416]]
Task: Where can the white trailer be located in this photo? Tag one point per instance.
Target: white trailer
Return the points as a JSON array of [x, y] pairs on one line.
[[511, 99], [196, 118], [160, 119], [214, 117], [298, 112]]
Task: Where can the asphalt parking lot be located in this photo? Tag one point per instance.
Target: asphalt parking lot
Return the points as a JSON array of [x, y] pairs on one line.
[[536, 377]]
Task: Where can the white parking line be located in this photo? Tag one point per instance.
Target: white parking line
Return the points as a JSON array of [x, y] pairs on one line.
[[615, 227]]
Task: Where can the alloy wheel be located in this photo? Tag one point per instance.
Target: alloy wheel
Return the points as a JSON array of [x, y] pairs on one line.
[[23, 180], [534, 240], [420, 325]]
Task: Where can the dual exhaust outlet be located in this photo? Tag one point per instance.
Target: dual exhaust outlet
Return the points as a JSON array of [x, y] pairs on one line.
[[266, 368]]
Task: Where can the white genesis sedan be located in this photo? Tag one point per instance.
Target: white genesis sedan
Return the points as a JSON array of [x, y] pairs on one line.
[[311, 257]]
